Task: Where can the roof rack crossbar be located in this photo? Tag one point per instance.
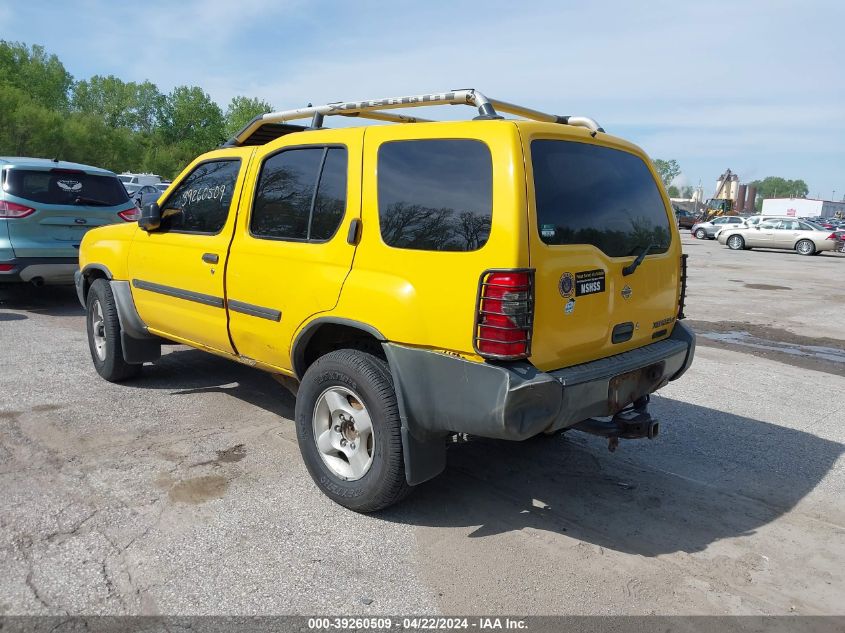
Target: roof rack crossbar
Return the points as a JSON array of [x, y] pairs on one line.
[[374, 109]]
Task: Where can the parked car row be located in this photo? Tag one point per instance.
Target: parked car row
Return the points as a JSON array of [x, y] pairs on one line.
[[789, 233], [763, 231]]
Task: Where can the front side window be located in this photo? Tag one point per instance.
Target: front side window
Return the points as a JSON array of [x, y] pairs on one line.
[[435, 195], [200, 204], [66, 187], [589, 194], [301, 195]]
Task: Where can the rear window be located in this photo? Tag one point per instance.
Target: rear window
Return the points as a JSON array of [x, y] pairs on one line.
[[435, 195], [587, 194], [56, 187]]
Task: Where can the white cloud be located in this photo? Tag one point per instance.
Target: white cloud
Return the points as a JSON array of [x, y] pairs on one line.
[[753, 84]]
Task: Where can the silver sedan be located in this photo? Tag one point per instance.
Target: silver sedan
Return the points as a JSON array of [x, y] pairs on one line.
[[803, 237]]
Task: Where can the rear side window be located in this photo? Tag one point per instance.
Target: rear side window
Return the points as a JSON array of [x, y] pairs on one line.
[[588, 194], [435, 195], [200, 204], [301, 195], [65, 187]]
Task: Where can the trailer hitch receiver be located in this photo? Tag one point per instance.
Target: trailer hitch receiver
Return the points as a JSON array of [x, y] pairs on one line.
[[630, 424]]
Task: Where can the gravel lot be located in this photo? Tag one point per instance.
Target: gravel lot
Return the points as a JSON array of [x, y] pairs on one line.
[[183, 492]]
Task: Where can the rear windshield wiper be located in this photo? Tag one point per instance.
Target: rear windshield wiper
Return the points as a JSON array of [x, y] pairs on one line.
[[94, 201], [632, 267]]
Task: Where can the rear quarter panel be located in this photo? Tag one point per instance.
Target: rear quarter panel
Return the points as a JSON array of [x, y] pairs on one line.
[[427, 298]]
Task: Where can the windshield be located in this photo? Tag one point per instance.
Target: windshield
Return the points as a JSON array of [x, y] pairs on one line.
[[588, 194], [65, 187]]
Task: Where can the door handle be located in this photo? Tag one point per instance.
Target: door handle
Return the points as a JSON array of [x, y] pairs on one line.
[[210, 258]]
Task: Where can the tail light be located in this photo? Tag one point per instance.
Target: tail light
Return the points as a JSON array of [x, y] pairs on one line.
[[4, 268], [683, 294], [832, 236], [14, 210], [504, 314], [130, 215]]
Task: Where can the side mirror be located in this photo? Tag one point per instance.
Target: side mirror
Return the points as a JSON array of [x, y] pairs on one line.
[[150, 219]]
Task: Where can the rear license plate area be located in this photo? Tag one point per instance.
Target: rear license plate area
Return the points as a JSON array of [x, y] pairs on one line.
[[625, 388]]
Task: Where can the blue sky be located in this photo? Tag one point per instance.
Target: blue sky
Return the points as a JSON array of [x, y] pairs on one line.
[[756, 86]]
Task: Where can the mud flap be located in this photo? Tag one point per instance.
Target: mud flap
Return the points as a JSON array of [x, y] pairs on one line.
[[423, 460], [137, 351]]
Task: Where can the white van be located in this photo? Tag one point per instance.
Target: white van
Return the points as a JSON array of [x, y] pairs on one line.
[[139, 179]]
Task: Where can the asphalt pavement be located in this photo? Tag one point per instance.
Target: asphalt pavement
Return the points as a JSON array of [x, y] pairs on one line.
[[183, 492]]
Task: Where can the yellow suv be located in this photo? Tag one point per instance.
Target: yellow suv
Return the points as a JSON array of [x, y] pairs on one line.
[[495, 277]]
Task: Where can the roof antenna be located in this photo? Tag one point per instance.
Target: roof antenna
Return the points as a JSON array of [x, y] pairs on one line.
[[56, 159]]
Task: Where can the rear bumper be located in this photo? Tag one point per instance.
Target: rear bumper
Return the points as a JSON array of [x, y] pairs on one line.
[[439, 394], [50, 270]]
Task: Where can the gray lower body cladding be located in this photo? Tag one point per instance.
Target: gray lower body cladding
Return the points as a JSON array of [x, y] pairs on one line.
[[49, 270], [138, 345], [440, 394]]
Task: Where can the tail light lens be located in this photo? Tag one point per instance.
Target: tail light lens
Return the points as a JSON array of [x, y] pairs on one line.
[[130, 215], [14, 210], [4, 268], [832, 236], [505, 314]]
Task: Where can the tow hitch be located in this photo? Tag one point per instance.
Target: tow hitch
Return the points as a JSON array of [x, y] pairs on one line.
[[629, 424]]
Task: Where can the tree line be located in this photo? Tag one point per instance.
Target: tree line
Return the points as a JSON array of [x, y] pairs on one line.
[[128, 126], [769, 187], [105, 121]]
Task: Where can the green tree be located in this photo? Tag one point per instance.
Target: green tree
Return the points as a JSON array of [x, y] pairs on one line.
[[673, 192], [129, 105], [668, 170], [241, 111], [39, 75], [777, 187], [109, 97], [27, 128], [191, 120]]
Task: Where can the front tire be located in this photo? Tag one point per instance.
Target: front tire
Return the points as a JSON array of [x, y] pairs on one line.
[[736, 243], [805, 247], [104, 334], [701, 234], [349, 431]]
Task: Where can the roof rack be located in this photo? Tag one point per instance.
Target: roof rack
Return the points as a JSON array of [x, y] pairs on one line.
[[266, 127]]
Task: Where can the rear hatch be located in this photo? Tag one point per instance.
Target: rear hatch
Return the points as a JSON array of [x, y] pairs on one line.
[[64, 204], [594, 209]]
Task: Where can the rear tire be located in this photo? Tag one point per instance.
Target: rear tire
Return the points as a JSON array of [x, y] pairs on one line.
[[349, 431], [736, 243], [805, 247], [104, 334]]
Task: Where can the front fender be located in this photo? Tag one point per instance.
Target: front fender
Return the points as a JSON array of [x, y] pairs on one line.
[[107, 248]]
